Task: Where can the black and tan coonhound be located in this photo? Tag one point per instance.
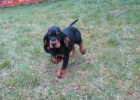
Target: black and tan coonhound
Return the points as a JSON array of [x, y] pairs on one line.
[[61, 45]]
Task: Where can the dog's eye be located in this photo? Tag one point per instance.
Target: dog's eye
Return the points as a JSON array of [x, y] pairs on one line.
[[49, 35], [58, 36]]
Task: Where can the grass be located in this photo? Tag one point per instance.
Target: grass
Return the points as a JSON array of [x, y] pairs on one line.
[[108, 71]]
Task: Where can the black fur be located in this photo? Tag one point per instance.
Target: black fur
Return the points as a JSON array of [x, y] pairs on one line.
[[70, 32]]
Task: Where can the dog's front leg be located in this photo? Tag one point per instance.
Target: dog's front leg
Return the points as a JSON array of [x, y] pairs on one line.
[[61, 73]]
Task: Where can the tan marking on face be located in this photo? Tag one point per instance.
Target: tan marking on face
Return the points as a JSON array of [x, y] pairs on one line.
[[57, 45]]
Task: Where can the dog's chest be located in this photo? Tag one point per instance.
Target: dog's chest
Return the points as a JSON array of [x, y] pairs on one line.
[[60, 50]]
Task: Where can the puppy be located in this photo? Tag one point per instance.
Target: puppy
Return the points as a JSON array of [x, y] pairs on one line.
[[61, 45]]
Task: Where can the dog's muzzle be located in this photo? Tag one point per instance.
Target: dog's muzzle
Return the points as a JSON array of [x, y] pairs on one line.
[[53, 43]]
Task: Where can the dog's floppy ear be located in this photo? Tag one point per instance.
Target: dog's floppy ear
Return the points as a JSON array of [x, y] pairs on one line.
[[66, 40], [46, 40], [46, 44]]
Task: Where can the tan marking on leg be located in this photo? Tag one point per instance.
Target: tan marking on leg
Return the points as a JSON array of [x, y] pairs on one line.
[[61, 55], [61, 73], [55, 60], [81, 47], [72, 53]]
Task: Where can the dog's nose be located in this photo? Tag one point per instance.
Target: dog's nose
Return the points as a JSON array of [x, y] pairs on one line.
[[53, 43]]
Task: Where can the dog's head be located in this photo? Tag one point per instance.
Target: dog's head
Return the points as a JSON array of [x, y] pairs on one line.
[[54, 37]]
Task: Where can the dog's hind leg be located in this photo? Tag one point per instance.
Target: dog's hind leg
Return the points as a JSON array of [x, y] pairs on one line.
[[81, 48], [72, 53]]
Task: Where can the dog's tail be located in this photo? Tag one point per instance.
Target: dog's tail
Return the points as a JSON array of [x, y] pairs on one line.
[[73, 22]]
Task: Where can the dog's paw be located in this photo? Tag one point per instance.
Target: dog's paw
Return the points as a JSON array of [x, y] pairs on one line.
[[82, 49], [72, 54], [61, 73]]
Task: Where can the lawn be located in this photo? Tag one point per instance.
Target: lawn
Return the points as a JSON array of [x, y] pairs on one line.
[[110, 69]]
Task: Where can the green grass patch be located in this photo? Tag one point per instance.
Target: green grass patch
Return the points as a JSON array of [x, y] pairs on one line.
[[108, 71], [5, 64]]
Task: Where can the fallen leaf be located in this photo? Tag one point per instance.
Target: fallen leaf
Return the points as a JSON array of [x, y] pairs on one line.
[[88, 61], [129, 94], [56, 92], [5, 27], [38, 87], [75, 87], [98, 44]]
